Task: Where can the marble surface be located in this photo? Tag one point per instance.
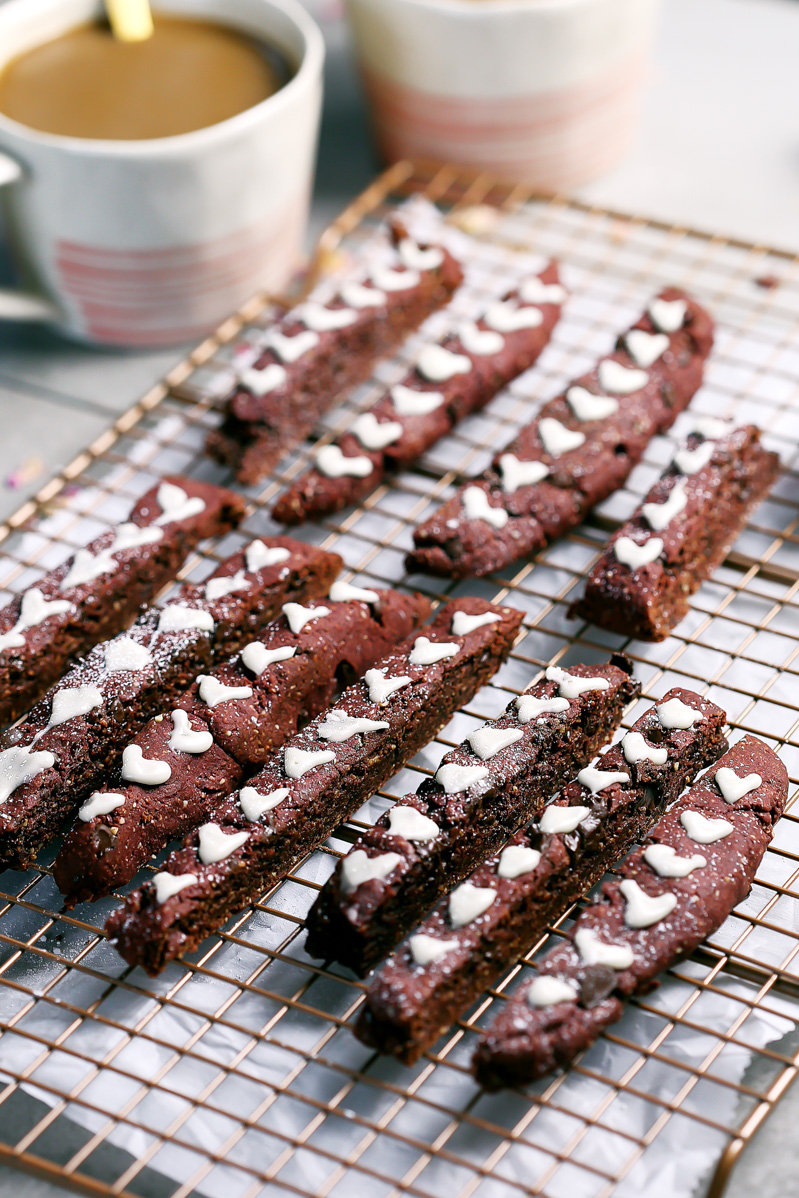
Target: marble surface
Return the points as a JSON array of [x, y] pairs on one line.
[[718, 148]]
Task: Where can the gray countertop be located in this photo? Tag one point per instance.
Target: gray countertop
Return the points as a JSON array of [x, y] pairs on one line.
[[718, 149]]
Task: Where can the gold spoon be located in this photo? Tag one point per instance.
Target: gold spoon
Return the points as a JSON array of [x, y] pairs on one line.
[[130, 20]]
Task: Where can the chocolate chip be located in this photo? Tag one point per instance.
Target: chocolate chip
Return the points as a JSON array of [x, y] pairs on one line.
[[599, 981]]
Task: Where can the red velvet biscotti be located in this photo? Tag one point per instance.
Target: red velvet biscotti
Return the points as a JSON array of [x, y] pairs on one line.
[[450, 380], [101, 588], [579, 449], [76, 734], [320, 778], [224, 727], [482, 792], [698, 862], [323, 347]]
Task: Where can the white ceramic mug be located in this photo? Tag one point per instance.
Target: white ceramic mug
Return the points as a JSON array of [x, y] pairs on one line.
[[143, 243], [544, 91]]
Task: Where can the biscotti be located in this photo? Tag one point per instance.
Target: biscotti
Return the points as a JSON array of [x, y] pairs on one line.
[[579, 449], [499, 778], [322, 348], [76, 734], [450, 380], [101, 588], [320, 778], [186, 760], [507, 902], [699, 861], [675, 540]]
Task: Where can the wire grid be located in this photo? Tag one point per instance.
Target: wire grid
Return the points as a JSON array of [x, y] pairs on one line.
[[235, 1073]]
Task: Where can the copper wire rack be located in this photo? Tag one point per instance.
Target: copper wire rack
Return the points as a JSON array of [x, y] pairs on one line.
[[236, 1073]]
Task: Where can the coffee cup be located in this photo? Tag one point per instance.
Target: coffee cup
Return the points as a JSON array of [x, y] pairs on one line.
[[154, 242], [542, 91]]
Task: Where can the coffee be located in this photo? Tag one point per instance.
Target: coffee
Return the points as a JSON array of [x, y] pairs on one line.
[[188, 75]]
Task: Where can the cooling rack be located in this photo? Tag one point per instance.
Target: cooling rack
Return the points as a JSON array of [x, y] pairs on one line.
[[235, 1073]]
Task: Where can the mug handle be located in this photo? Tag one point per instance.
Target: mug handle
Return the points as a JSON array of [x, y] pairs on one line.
[[20, 305]]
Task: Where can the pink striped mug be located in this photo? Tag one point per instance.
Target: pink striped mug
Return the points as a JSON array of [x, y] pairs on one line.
[[544, 91], [144, 243]]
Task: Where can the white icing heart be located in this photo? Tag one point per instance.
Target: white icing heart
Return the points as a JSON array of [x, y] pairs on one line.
[[711, 427], [733, 787], [298, 762], [437, 364], [506, 317], [547, 991], [291, 349], [556, 821], [417, 258], [463, 623], [331, 462], [258, 556], [476, 507], [536, 291], [668, 315], [633, 555], [479, 341], [676, 714], [426, 949], [516, 473], [594, 951], [217, 588], [394, 280], [570, 686], [409, 402], [468, 902], [338, 727], [72, 702], [185, 619], [321, 319], [357, 868], [645, 348], [556, 438], [517, 859], [216, 845], [18, 766], [530, 707], [691, 461], [426, 652], [168, 885], [86, 566], [411, 824], [100, 803], [636, 748], [660, 515], [257, 658], [253, 804], [34, 610], [358, 295], [704, 830], [184, 738], [175, 504], [125, 654], [374, 435], [134, 536], [144, 770], [620, 380], [642, 909], [597, 780], [298, 616], [213, 692], [663, 859], [487, 742], [587, 406], [456, 778], [345, 592], [381, 688], [262, 382]]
